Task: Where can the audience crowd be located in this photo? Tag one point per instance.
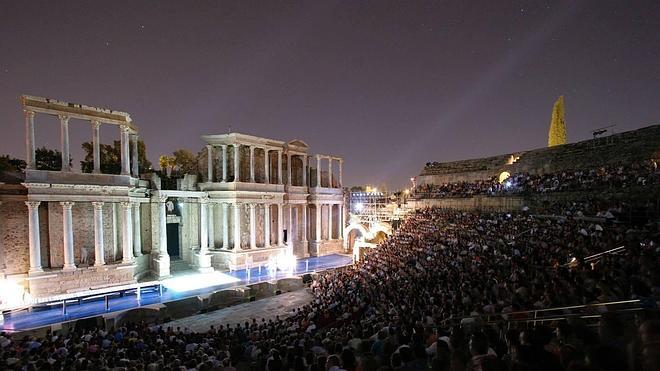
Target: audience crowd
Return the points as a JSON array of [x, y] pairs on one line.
[[422, 300], [597, 179]]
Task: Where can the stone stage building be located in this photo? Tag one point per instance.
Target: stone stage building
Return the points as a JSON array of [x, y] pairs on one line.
[[255, 199]]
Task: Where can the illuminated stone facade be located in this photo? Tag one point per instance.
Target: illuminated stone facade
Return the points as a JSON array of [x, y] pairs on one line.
[[257, 198]]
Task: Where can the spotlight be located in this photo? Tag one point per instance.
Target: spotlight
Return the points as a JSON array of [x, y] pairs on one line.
[[359, 206]]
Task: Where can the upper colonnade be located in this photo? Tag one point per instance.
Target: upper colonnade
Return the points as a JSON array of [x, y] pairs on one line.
[[293, 150], [96, 116]]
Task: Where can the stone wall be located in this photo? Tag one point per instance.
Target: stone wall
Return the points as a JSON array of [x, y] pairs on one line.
[[83, 233], [63, 282], [14, 235], [618, 149], [473, 203]]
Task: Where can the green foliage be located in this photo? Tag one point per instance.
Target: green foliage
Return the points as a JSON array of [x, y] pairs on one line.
[[180, 163], [11, 164], [186, 161], [111, 158], [557, 132], [49, 159]]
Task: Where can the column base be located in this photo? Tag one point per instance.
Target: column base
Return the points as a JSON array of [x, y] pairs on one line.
[[99, 264], [127, 261], [162, 266], [35, 270], [203, 262], [71, 267], [305, 246]]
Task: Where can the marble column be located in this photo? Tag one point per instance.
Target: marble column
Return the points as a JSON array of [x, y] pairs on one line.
[[115, 232], [224, 162], [289, 226], [211, 218], [251, 164], [137, 230], [280, 225], [126, 232], [266, 225], [162, 226], [304, 223], [33, 235], [304, 171], [266, 167], [318, 170], [99, 258], [134, 156], [341, 173], [225, 225], [64, 125], [237, 163], [330, 222], [162, 262], [96, 143], [29, 140], [209, 163], [253, 226], [318, 223], [329, 172], [123, 131], [237, 227], [341, 221], [203, 225], [67, 234], [279, 168], [288, 169]]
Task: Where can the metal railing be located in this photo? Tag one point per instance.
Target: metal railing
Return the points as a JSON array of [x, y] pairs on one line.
[[105, 293], [553, 314]]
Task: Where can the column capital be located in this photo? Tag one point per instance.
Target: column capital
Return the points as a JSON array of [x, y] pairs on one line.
[[209, 147], [67, 204], [136, 205], [126, 205], [124, 129], [162, 199], [252, 205], [29, 113], [96, 124], [98, 205], [32, 204], [203, 200], [64, 118]]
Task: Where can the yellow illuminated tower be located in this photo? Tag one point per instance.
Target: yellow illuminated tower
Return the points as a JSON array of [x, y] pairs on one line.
[[557, 133]]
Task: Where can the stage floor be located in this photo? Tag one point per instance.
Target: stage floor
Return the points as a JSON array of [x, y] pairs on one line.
[[174, 289]]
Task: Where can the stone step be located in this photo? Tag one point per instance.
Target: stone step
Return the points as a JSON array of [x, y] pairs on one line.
[[179, 265]]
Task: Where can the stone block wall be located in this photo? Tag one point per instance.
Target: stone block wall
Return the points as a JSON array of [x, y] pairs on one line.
[[63, 282], [83, 233], [617, 149], [14, 235]]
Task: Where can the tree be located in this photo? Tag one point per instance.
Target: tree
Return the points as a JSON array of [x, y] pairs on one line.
[[49, 159], [167, 163], [111, 158], [186, 161], [11, 164], [557, 133]]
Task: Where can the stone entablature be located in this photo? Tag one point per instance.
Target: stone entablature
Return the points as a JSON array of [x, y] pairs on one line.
[[95, 116]]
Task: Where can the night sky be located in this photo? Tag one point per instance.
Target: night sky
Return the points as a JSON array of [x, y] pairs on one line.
[[388, 85]]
